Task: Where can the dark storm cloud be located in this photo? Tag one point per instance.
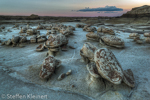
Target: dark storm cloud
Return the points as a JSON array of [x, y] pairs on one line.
[[106, 8]]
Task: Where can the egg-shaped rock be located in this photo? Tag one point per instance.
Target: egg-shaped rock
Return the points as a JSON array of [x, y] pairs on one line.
[[108, 66], [112, 41]]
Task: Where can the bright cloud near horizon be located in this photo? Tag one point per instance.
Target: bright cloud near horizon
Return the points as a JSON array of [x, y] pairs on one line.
[[86, 8]]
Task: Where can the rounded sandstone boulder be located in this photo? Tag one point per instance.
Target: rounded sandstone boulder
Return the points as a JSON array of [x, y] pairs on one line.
[[108, 66]]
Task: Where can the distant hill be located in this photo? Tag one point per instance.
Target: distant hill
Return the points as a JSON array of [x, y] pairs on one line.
[[143, 11], [136, 16]]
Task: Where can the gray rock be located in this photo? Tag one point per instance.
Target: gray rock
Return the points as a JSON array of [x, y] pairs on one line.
[[129, 78]]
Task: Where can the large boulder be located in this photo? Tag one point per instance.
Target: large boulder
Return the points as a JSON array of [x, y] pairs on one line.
[[56, 40], [111, 40], [108, 66]]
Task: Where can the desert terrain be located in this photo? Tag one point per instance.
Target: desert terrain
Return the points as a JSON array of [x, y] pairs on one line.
[[21, 64]]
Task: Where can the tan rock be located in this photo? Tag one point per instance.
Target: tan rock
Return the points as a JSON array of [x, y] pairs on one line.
[[56, 40], [108, 66], [147, 34], [91, 67], [31, 31], [87, 51], [61, 76], [133, 35], [93, 36], [23, 39], [40, 47], [48, 67], [112, 41], [147, 40], [69, 72], [8, 42]]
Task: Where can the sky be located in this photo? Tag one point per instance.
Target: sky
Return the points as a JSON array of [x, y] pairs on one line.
[[70, 8]]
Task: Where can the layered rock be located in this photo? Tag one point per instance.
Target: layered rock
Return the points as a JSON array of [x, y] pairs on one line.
[[143, 11]]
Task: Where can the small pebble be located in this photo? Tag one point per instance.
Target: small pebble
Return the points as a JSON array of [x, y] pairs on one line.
[[61, 76], [69, 72]]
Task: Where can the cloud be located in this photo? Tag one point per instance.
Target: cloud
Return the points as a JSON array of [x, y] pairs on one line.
[[106, 8], [110, 12]]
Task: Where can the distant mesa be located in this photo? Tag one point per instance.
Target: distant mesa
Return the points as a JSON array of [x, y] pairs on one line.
[[33, 17], [143, 11], [137, 15]]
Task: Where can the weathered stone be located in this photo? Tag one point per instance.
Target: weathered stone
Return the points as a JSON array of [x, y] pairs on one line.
[[91, 67], [93, 36], [79, 25], [41, 39], [108, 66], [40, 47], [15, 39], [88, 51], [61, 76], [147, 40], [31, 31], [147, 34], [133, 35], [40, 26], [23, 30], [129, 78], [48, 67], [69, 72], [8, 42], [56, 40], [33, 39], [105, 30], [112, 41], [23, 40]]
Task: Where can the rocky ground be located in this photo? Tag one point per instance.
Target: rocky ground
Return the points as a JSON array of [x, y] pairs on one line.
[[20, 67]]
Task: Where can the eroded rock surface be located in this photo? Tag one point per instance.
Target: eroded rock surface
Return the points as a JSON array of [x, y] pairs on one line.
[[48, 67], [87, 51], [112, 41], [108, 66]]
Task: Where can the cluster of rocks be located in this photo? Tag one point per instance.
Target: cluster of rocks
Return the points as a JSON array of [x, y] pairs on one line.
[[105, 30], [106, 37], [137, 38], [102, 63], [60, 28], [15, 40], [55, 43], [87, 28], [38, 38]]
